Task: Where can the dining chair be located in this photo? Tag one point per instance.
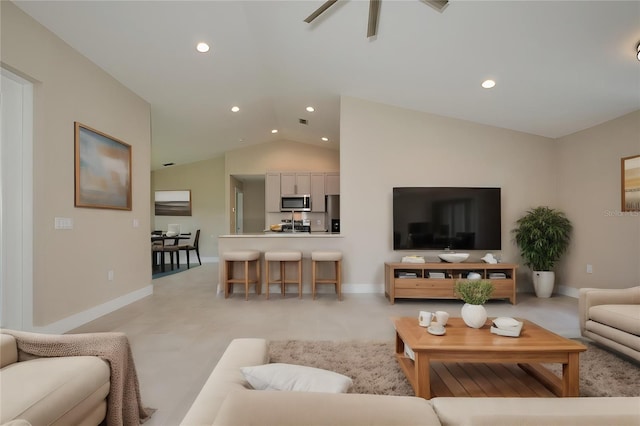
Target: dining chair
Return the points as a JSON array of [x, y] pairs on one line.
[[159, 249], [173, 229], [195, 246]]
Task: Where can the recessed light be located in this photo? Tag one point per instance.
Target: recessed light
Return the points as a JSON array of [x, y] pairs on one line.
[[202, 47], [235, 108], [240, 140], [274, 131], [325, 139], [488, 84], [310, 109]]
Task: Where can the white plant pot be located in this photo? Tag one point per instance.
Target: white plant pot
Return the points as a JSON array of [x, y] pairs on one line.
[[474, 315], [543, 282]]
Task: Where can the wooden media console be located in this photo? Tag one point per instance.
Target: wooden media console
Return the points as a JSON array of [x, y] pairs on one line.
[[417, 280]]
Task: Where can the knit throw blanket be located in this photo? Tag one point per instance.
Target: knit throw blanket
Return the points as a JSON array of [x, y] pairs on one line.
[[124, 405]]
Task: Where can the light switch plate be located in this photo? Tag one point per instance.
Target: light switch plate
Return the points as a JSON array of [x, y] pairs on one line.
[[63, 223]]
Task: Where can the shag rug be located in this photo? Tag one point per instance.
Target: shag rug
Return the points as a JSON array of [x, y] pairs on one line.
[[374, 369]]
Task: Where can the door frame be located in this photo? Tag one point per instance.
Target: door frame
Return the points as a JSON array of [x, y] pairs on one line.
[[16, 202]]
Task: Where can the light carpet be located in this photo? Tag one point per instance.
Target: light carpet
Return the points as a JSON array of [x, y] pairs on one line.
[[374, 369]]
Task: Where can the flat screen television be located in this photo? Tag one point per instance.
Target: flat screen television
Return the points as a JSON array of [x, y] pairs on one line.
[[439, 218]]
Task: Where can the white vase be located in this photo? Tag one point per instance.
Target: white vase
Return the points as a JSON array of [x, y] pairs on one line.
[[543, 283], [474, 315]]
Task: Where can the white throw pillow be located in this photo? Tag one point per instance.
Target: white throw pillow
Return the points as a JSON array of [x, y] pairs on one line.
[[278, 376]]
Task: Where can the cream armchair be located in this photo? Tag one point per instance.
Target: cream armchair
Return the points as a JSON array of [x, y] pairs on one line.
[[611, 317]]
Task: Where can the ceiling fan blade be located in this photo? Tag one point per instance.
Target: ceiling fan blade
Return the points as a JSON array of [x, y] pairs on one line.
[[374, 13], [438, 5], [319, 11]]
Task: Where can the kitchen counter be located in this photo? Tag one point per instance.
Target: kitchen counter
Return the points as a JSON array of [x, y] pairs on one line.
[[304, 242], [283, 235]]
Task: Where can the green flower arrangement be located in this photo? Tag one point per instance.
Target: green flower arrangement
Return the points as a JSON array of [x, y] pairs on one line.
[[474, 292]]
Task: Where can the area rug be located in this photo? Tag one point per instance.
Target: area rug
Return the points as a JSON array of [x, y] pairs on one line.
[[168, 271], [374, 369]]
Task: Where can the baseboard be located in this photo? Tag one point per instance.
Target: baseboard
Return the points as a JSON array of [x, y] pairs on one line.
[[346, 289], [568, 291], [379, 289], [81, 318], [362, 288]]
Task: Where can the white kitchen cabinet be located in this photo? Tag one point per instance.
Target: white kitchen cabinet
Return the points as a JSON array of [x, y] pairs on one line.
[[332, 183], [295, 183], [272, 192], [317, 192]]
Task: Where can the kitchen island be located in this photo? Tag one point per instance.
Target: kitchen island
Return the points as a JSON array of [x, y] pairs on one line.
[[305, 242]]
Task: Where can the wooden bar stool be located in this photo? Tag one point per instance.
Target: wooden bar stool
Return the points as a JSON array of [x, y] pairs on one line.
[[248, 257], [327, 256], [283, 257]]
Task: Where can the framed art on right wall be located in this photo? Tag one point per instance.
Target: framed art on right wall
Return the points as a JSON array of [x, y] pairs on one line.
[[630, 168]]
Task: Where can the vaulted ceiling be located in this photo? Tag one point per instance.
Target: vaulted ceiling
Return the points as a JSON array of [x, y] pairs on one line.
[[560, 66]]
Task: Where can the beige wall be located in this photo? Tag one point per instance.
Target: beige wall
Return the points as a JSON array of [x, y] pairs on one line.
[[383, 146], [281, 156], [205, 179], [589, 179], [70, 266]]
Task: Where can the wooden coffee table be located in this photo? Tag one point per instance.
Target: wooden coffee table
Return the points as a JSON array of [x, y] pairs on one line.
[[462, 345]]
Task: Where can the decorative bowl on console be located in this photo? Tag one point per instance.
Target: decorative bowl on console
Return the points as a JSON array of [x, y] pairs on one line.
[[453, 257]]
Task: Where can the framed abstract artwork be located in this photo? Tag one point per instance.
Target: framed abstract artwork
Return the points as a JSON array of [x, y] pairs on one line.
[[630, 168], [102, 170], [173, 203]]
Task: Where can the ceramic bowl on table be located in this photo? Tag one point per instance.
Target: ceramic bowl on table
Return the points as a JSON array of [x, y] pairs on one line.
[[453, 257]]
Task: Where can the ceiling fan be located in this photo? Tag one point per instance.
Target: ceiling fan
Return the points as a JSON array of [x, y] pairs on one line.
[[374, 12]]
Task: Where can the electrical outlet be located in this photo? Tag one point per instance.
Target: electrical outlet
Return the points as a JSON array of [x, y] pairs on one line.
[[110, 275], [589, 268], [318, 222]]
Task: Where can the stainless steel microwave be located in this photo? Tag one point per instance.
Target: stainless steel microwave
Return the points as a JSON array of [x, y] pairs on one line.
[[299, 203]]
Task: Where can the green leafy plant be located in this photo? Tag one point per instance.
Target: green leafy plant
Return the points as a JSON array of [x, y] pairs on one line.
[[542, 235], [474, 292]]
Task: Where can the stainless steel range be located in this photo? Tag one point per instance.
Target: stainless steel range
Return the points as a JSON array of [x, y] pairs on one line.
[[303, 225]]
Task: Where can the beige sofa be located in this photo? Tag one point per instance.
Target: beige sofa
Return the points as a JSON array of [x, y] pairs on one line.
[[611, 317], [51, 391], [227, 400]]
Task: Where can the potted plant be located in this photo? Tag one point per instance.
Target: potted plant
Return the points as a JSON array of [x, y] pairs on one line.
[[474, 293], [542, 236]]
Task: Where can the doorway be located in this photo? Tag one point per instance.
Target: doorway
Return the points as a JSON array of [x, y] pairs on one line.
[[16, 202], [246, 196], [239, 211]]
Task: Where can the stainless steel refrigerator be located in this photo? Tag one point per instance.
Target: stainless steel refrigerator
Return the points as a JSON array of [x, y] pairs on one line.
[[332, 220]]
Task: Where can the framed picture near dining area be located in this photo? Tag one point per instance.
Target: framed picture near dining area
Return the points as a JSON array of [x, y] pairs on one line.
[[173, 203], [102, 170], [630, 167]]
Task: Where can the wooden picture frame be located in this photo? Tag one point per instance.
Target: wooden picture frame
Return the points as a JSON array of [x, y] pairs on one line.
[[630, 183], [102, 170], [173, 203]]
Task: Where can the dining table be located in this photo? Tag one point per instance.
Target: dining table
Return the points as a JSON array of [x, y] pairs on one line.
[[155, 238]]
